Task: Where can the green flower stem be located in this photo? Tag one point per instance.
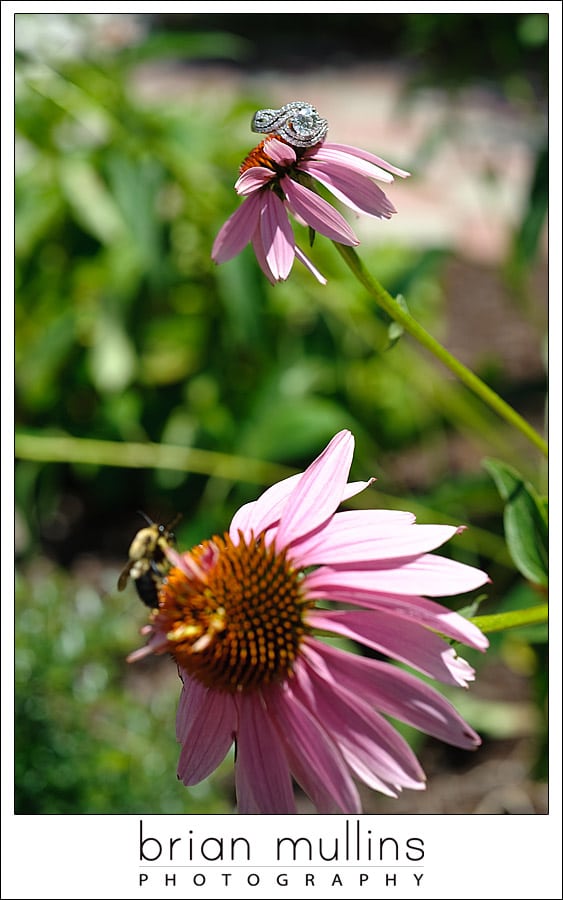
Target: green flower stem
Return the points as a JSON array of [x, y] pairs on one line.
[[535, 615], [465, 375]]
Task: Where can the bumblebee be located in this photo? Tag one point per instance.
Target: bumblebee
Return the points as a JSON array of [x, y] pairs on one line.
[[147, 565]]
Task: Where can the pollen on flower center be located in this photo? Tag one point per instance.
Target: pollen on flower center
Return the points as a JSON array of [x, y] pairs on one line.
[[236, 623]]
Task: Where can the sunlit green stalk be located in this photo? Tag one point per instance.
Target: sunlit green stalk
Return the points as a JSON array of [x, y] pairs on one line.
[[65, 448], [88, 451], [465, 375], [535, 615]]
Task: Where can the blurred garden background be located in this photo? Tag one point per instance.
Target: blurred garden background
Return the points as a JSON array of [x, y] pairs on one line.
[[149, 379]]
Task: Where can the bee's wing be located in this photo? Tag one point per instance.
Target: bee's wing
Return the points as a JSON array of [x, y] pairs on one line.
[[124, 576]]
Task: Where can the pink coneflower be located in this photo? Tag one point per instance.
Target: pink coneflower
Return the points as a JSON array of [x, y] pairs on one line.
[[240, 614], [277, 177]]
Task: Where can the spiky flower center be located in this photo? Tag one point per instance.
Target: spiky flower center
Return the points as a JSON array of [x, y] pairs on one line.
[[258, 157], [236, 621]]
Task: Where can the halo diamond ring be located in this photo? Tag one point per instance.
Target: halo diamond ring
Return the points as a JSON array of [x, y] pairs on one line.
[[297, 122]]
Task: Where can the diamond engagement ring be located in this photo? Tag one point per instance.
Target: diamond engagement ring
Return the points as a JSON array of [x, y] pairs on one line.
[[297, 122]]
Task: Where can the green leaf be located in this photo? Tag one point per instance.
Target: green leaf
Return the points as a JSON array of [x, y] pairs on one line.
[[289, 427], [395, 330], [469, 611], [91, 202], [112, 358], [525, 521], [528, 236]]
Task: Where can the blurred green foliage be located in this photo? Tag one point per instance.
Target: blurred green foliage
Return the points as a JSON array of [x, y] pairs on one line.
[[87, 725], [126, 332]]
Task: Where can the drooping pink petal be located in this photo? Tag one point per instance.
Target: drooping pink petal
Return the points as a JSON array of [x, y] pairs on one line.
[[314, 759], [359, 537], [156, 644], [347, 150], [328, 160], [419, 609], [398, 638], [279, 152], [263, 781], [277, 236], [253, 180], [318, 214], [187, 707], [370, 744], [237, 230], [428, 574], [260, 255], [392, 691], [309, 265], [319, 492], [356, 191], [205, 724]]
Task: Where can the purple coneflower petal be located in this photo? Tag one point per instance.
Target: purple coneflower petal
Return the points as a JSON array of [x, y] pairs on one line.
[[356, 487], [205, 724], [347, 150], [394, 692], [419, 609], [266, 510], [309, 265], [253, 179], [314, 758], [318, 214], [263, 513], [263, 781], [277, 237], [354, 539], [237, 230], [370, 744], [398, 638], [354, 190], [307, 699], [280, 152], [260, 255], [319, 492], [330, 160], [379, 521], [352, 587], [432, 575], [155, 644]]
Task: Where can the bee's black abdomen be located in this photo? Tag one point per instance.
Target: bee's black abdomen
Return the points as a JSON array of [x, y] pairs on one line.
[[147, 589]]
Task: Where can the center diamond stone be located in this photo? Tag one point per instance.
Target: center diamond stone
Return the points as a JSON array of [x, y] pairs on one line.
[[304, 120]]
